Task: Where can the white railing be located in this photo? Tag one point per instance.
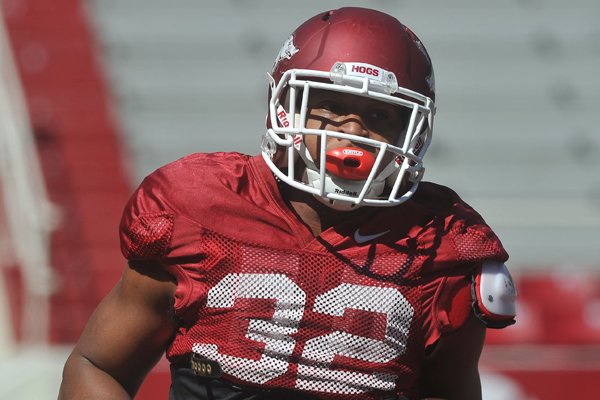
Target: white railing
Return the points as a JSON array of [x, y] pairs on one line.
[[27, 210]]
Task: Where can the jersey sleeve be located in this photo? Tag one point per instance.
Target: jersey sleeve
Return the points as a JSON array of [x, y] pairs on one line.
[[448, 301], [155, 224], [488, 292], [147, 223]]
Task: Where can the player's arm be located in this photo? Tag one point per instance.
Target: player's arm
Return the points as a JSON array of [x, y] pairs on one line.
[[451, 369], [124, 338]]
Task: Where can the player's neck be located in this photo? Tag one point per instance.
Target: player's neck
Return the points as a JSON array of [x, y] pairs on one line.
[[314, 214]]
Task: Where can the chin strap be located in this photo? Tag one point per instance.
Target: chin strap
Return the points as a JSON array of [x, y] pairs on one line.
[[341, 187]]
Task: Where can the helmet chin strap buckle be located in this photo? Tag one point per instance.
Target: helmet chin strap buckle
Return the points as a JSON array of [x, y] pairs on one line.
[[351, 163]]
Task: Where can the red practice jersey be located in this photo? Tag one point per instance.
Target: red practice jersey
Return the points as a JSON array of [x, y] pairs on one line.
[[347, 314]]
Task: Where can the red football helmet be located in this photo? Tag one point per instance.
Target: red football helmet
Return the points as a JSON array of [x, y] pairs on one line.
[[365, 53]]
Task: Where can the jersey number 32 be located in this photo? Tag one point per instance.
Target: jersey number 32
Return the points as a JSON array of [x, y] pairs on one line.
[[314, 371]]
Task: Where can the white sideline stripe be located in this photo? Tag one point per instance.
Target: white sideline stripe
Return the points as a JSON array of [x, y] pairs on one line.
[[7, 340], [27, 209]]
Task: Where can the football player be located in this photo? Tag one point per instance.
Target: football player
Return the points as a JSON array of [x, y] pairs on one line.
[[321, 268]]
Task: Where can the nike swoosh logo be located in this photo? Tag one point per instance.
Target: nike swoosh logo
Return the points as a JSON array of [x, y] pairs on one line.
[[358, 238]]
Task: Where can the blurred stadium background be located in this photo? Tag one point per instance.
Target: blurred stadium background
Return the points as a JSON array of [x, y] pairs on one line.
[[94, 95]]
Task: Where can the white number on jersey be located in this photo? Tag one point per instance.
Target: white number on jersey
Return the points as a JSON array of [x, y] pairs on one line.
[[314, 371]]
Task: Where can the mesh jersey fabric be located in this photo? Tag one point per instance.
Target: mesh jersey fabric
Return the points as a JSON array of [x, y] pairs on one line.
[[334, 316]]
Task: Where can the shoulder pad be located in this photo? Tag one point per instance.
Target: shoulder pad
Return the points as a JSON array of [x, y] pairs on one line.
[[493, 294]]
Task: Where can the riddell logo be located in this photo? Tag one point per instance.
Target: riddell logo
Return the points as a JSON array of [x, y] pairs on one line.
[[365, 70], [346, 192], [283, 119]]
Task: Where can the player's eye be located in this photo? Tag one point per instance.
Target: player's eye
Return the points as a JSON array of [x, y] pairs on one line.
[[331, 106], [379, 115]]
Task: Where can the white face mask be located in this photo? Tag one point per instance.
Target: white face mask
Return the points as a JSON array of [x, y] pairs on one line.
[[346, 179]]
